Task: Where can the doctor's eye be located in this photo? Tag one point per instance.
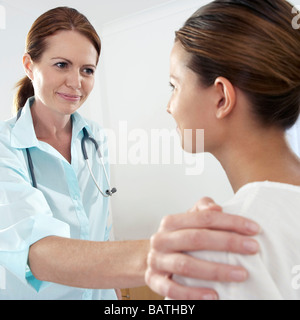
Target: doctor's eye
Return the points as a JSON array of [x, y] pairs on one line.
[[61, 65], [89, 71]]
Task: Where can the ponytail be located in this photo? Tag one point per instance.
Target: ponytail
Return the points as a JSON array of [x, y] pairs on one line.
[[24, 92]]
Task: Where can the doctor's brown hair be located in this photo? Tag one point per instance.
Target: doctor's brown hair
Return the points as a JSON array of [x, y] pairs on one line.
[[54, 20], [251, 43]]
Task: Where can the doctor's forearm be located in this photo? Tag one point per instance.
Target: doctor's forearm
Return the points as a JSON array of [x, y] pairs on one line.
[[87, 264]]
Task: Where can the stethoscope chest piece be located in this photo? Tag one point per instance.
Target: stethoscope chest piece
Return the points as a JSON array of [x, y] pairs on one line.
[[87, 137]]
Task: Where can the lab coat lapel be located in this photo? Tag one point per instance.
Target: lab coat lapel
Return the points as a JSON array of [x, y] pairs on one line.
[[23, 135]]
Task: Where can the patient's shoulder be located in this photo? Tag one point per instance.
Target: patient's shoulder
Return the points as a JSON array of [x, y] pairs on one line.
[[264, 201]]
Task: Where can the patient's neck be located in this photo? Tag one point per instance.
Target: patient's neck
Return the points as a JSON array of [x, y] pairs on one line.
[[259, 157]]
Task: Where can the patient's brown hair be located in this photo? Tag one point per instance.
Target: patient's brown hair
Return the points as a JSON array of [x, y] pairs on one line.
[[251, 43]]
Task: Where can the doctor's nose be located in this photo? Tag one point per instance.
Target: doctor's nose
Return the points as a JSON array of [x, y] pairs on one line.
[[74, 80]]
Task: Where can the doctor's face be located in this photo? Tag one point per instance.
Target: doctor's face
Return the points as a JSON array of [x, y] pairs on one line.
[[64, 76]]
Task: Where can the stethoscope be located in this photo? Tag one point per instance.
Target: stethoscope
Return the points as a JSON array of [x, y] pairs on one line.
[[85, 139]]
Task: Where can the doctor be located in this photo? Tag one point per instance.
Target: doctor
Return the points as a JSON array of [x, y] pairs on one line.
[[53, 220]]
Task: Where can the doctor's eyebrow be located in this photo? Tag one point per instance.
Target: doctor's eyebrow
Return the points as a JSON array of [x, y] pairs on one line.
[[71, 63], [61, 58]]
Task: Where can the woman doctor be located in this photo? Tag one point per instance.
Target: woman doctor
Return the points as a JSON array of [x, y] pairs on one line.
[[53, 223]]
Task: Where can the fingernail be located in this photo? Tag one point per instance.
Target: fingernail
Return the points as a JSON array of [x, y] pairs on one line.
[[238, 275], [210, 296], [253, 227], [251, 246]]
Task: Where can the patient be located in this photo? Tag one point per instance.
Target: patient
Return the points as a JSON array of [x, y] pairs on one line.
[[235, 71]]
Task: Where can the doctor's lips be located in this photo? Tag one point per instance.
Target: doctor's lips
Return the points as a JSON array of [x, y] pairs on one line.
[[69, 97]]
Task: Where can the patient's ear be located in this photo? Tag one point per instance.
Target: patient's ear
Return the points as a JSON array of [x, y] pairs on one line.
[[227, 97], [27, 64]]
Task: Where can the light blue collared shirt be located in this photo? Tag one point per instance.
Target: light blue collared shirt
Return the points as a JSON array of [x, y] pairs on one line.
[[66, 204]]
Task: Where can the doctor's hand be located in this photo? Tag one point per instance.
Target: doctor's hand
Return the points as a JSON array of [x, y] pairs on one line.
[[204, 227]]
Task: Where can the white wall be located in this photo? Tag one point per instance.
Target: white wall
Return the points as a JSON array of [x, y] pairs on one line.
[[12, 40], [134, 89], [131, 87]]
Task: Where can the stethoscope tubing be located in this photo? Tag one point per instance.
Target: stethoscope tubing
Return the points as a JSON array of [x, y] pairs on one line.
[[86, 137]]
